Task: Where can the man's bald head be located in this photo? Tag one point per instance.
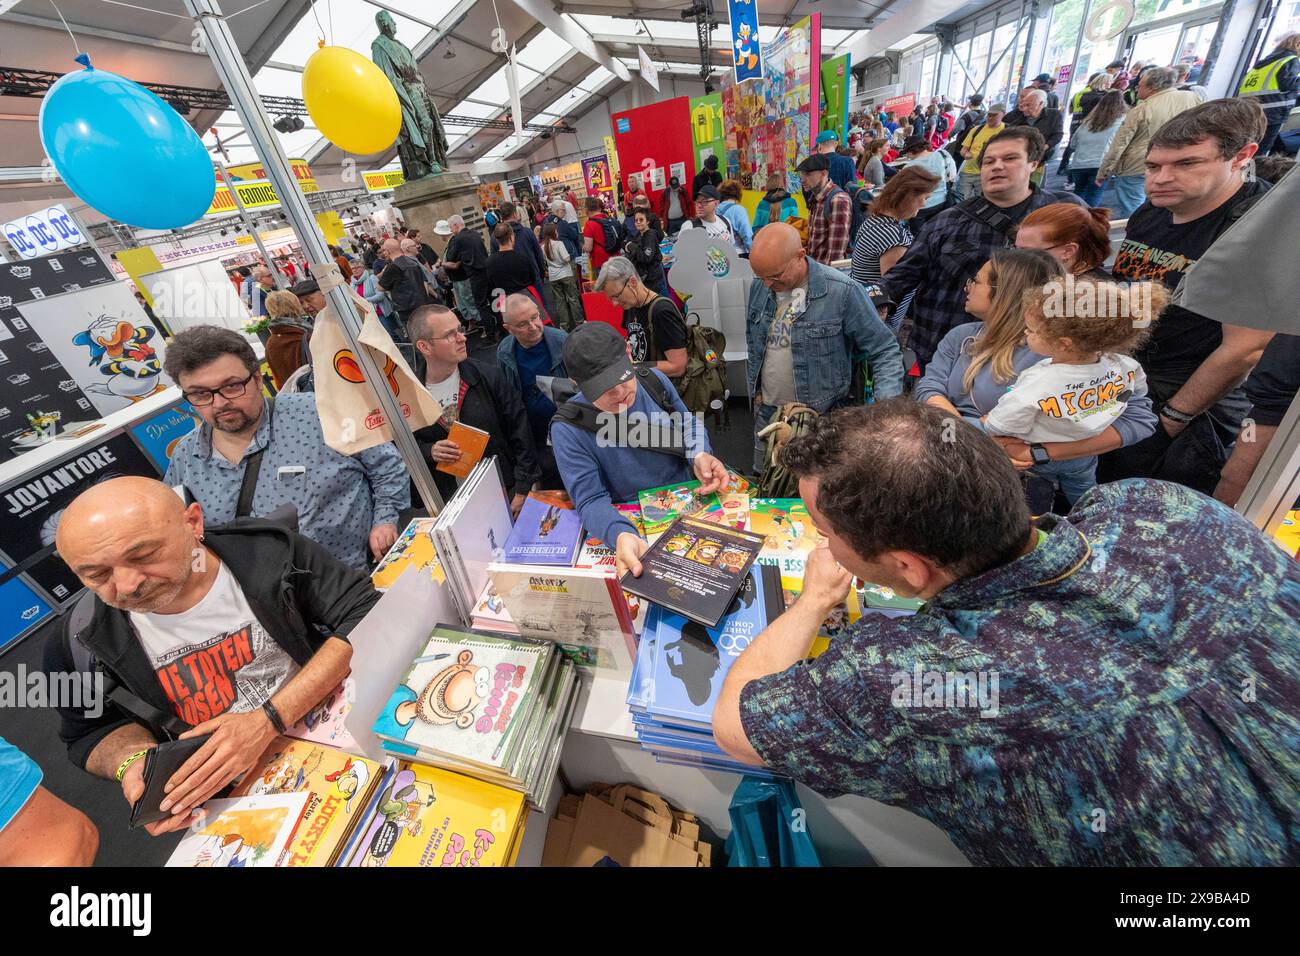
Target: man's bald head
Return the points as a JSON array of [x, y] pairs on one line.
[[777, 257], [132, 541], [410, 247], [391, 249]]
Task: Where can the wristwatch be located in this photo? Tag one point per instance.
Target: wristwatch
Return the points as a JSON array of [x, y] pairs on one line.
[[1039, 454]]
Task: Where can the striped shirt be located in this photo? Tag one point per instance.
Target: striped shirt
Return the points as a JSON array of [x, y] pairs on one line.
[[876, 236]]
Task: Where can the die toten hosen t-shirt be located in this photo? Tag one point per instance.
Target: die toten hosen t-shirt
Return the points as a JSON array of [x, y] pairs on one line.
[[215, 658], [1155, 249], [669, 329]]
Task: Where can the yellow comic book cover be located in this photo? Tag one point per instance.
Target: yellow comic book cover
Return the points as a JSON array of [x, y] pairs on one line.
[[429, 817], [339, 786], [413, 548]]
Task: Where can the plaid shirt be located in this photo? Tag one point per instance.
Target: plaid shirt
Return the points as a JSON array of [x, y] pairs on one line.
[[1141, 704], [828, 235], [949, 250]]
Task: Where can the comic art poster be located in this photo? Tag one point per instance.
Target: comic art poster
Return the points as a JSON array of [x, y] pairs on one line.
[[103, 338], [599, 181], [768, 122], [241, 832], [746, 53]]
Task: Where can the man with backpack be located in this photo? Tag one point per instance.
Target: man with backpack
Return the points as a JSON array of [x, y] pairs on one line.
[[807, 325], [706, 205], [602, 236], [830, 211], [626, 430], [656, 331]]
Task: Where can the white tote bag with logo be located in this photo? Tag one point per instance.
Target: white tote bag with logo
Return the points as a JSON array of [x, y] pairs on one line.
[[350, 416]]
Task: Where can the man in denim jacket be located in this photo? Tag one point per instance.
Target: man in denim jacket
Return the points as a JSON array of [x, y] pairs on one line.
[[806, 325]]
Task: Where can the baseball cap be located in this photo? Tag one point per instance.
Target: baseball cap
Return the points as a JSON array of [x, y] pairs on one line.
[[442, 228], [708, 192], [827, 136], [1043, 78], [813, 163], [596, 359], [305, 287]]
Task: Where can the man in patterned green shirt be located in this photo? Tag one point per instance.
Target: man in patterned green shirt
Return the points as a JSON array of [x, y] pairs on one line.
[[1121, 687]]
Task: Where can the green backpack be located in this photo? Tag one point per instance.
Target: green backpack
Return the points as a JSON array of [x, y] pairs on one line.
[[703, 387]]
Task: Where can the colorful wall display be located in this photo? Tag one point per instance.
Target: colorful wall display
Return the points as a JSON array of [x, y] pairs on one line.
[[706, 128], [769, 123], [492, 194], [834, 111], [103, 338], [651, 138], [746, 51]]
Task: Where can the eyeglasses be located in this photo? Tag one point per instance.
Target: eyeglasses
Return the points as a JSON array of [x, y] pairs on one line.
[[975, 280], [230, 391], [458, 332]]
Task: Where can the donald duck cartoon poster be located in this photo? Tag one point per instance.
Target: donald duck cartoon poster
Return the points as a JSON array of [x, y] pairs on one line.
[[747, 54], [105, 341]]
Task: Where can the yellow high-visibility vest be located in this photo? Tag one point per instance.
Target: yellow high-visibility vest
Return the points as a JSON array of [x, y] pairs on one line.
[[1263, 79]]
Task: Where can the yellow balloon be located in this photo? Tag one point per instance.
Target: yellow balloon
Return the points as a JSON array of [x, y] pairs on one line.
[[351, 101]]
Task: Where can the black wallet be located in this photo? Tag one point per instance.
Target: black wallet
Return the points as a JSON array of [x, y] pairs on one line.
[[160, 764]]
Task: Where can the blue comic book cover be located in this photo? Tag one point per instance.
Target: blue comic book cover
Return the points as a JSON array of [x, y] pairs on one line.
[[691, 661], [544, 533]]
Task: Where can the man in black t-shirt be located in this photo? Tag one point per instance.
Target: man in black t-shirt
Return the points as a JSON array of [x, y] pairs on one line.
[[656, 332], [465, 260], [1196, 165], [509, 271]]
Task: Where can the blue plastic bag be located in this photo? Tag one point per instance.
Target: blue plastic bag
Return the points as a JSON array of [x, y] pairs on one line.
[[768, 826]]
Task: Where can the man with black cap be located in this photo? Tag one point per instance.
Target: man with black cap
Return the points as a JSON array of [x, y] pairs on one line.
[[626, 430], [708, 176], [310, 295], [1046, 83], [675, 206], [830, 211], [706, 215]]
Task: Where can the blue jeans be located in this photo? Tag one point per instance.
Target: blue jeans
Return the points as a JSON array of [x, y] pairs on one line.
[[1085, 185], [465, 300], [1073, 477], [1130, 192]]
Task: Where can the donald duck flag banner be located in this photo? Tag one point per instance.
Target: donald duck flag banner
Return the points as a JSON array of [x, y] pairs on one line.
[[746, 54]]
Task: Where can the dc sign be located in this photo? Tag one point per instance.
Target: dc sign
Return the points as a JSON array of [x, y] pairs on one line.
[[44, 232]]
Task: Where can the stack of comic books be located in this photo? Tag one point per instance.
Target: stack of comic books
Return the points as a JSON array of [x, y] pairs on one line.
[[428, 817], [470, 533], [680, 668], [339, 789], [490, 706]]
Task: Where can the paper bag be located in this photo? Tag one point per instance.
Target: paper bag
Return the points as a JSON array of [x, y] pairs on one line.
[[350, 416]]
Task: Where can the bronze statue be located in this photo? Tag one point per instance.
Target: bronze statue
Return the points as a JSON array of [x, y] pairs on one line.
[[421, 144]]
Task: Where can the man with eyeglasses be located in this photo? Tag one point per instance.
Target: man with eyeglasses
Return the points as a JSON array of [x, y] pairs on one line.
[[807, 324], [348, 504], [656, 331], [475, 393]]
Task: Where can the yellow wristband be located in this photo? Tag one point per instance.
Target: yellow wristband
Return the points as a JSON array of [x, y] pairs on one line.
[[126, 764]]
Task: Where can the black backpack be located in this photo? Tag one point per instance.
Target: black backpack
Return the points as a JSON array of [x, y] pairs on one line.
[[613, 241], [586, 416]]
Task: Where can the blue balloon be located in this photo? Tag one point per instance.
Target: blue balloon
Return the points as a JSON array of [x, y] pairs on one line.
[[124, 151]]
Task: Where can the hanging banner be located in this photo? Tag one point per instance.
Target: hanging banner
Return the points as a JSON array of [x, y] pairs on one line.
[[331, 227], [599, 181], [648, 71], [44, 231], [835, 97], [516, 107], [611, 154], [254, 189], [747, 56], [139, 262], [900, 106], [382, 180]]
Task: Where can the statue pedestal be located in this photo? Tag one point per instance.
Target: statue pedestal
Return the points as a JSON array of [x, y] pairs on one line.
[[442, 196]]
